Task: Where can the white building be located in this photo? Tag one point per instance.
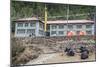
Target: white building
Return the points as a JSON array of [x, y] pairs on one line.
[[34, 27], [62, 27], [29, 27]]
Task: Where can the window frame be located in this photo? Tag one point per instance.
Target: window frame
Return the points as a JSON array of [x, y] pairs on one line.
[[32, 24], [30, 31], [70, 26], [19, 24], [21, 31], [89, 32], [54, 26], [61, 26], [52, 32], [89, 25], [26, 25], [59, 32], [79, 26]]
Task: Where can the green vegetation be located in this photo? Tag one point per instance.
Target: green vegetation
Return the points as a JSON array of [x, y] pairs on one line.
[[21, 9]]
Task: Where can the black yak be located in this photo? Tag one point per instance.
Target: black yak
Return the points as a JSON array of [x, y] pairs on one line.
[[84, 52], [69, 51]]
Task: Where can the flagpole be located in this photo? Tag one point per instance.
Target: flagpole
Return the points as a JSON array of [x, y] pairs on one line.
[[45, 23]]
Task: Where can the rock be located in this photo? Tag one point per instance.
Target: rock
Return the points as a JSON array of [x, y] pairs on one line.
[[28, 54]]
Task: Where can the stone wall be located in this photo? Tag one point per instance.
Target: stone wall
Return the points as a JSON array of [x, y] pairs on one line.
[[59, 43]]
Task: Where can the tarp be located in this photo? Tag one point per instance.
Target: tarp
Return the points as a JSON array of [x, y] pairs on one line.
[[82, 33]]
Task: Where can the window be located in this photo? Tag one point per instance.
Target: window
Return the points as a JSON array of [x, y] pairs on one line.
[[26, 24], [41, 32], [61, 32], [20, 24], [70, 26], [20, 31], [53, 32], [89, 32], [61, 26], [54, 26], [29, 31], [41, 25], [48, 27], [79, 26], [89, 26], [32, 24]]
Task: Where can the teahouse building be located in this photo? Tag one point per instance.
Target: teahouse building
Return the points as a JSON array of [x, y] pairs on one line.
[[27, 27]]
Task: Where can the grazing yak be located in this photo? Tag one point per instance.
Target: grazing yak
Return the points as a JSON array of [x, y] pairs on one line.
[[84, 52], [69, 51]]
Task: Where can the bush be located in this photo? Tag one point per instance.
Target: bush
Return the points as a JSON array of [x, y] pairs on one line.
[[17, 47], [28, 54], [22, 54]]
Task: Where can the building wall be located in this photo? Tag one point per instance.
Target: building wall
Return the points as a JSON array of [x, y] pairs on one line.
[[28, 30], [55, 29], [40, 29], [74, 29]]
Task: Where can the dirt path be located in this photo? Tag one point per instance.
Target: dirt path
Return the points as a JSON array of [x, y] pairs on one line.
[[42, 59], [58, 58]]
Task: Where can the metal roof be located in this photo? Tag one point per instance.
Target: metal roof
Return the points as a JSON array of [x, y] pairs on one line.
[[69, 21], [56, 21], [27, 19]]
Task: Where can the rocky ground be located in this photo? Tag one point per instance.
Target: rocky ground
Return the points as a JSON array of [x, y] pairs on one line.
[[59, 58], [51, 56], [50, 50]]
